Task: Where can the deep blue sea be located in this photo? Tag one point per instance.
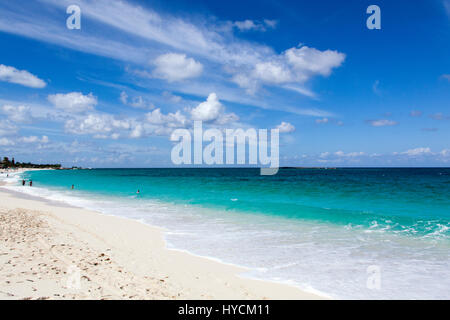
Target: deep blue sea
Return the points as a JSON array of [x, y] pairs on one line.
[[322, 230]]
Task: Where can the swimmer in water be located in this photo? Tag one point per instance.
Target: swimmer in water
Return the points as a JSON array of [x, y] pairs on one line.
[[138, 191]]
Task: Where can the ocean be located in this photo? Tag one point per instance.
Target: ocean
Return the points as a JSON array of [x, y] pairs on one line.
[[347, 233]]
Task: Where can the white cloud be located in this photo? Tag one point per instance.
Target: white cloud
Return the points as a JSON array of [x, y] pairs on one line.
[[18, 114], [350, 154], [294, 66], [171, 120], [124, 97], [35, 139], [6, 142], [101, 125], [285, 127], [22, 77], [446, 76], [252, 25], [417, 152], [7, 128], [209, 110], [171, 97], [310, 61], [382, 123], [247, 82], [272, 72], [176, 67], [212, 110], [160, 33], [271, 23], [415, 113], [74, 102], [136, 102]]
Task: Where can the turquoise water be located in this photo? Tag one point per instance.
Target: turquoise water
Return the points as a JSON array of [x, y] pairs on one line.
[[318, 229]]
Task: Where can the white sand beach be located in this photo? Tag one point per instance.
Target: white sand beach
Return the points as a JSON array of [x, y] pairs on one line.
[[52, 251]]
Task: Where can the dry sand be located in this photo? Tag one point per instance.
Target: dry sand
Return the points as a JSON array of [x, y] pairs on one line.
[[51, 251]]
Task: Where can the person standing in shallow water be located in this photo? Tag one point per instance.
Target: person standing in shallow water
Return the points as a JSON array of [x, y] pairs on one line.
[[31, 183], [23, 182], [73, 187]]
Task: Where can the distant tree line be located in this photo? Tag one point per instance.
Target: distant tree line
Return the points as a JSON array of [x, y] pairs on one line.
[[6, 164]]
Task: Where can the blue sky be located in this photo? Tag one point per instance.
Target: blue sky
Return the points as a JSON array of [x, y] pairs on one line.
[[110, 94]]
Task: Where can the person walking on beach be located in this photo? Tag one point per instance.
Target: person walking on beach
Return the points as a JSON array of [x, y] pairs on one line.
[[23, 182]]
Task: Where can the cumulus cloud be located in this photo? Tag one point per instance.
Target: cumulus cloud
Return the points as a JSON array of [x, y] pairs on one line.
[[209, 110], [171, 120], [285, 127], [74, 102], [382, 123], [107, 126], [22, 77], [310, 61], [176, 67], [4, 142], [101, 125], [417, 152], [136, 102], [295, 65], [212, 110], [18, 114]]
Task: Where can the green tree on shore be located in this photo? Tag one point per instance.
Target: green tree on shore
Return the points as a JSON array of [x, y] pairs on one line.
[[6, 164]]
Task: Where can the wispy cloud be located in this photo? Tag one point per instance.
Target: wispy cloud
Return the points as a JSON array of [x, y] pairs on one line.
[[382, 123], [144, 35], [446, 4], [439, 116], [252, 25]]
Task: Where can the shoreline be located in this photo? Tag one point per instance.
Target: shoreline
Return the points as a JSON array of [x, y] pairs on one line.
[[181, 275]]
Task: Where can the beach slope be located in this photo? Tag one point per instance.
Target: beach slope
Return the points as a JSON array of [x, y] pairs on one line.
[[52, 251]]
